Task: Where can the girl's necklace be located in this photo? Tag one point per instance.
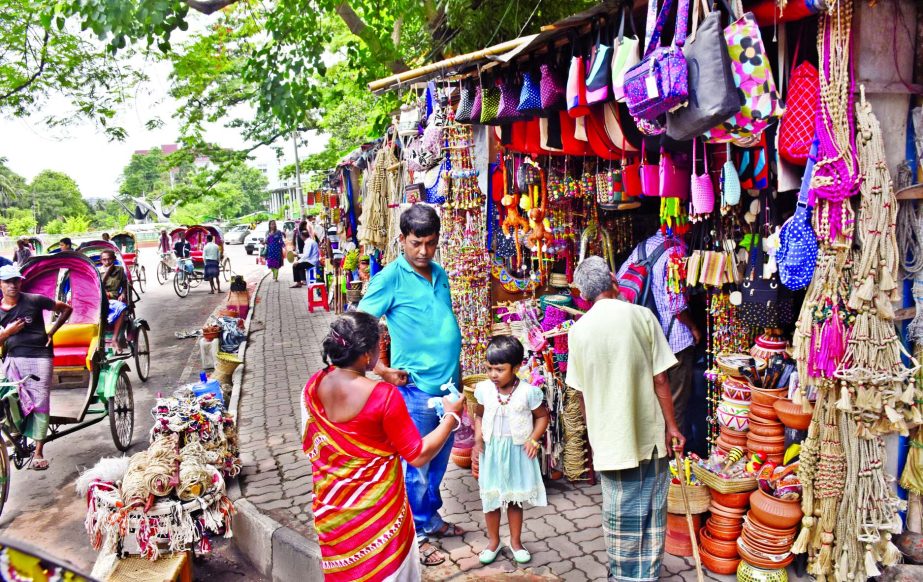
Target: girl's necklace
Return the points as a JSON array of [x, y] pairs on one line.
[[508, 396]]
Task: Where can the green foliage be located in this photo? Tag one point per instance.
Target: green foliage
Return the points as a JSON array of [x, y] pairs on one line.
[[19, 222], [11, 185], [77, 224], [108, 214], [56, 226], [53, 195]]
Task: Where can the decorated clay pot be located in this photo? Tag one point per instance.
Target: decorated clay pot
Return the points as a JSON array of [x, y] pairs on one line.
[[718, 548], [735, 500], [749, 573], [735, 438], [763, 412], [777, 513], [735, 389], [766, 397], [716, 565], [734, 414], [792, 415]]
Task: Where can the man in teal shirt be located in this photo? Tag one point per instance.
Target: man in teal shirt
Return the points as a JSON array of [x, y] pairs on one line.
[[413, 294]]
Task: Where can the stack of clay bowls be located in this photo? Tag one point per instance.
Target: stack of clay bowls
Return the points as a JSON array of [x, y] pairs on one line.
[[792, 415], [734, 414], [767, 434], [718, 539], [769, 531]]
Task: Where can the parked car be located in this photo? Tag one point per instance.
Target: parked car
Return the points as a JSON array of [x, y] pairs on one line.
[[237, 235], [255, 239]]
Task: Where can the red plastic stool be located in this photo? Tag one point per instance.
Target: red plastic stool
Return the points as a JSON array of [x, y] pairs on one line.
[[319, 299]]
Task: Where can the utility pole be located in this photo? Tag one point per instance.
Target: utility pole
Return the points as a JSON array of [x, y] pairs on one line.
[[298, 173]]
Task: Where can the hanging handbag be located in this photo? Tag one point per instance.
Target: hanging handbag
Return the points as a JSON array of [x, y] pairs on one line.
[[409, 121], [626, 55], [650, 176], [730, 181], [796, 130], [713, 96], [599, 76], [576, 88], [465, 104], [551, 88], [765, 302], [703, 192], [659, 82], [530, 97], [631, 177], [509, 101], [797, 253], [675, 175], [714, 269], [490, 102], [753, 77]]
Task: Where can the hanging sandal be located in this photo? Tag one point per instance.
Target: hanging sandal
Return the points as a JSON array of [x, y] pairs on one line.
[[428, 555], [448, 530]]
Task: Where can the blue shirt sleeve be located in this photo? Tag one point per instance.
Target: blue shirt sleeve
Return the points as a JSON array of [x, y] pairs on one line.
[[379, 297]]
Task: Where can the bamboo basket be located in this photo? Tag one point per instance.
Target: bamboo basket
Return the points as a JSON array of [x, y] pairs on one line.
[[724, 485], [469, 382], [698, 495], [225, 364]]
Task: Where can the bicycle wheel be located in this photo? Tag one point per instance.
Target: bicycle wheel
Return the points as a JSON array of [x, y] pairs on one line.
[[5, 474], [141, 349], [163, 272], [121, 409], [226, 269], [195, 279], [142, 278], [181, 284]]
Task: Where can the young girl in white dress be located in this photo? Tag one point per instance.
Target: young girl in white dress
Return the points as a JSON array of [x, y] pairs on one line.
[[510, 420]]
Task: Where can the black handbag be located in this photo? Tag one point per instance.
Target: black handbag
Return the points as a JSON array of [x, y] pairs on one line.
[[764, 302], [713, 94]]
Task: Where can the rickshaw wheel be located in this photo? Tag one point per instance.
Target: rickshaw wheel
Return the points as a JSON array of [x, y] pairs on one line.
[[141, 348], [5, 475], [122, 413], [163, 272], [226, 269], [142, 278], [181, 284]]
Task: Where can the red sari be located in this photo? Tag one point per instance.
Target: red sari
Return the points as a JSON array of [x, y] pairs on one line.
[[361, 510]]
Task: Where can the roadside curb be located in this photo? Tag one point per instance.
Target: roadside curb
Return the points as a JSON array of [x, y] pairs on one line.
[[276, 551]]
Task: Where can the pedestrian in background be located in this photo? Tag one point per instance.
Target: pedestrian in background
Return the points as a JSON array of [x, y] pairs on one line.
[[274, 249], [211, 254], [355, 432], [510, 418], [307, 260], [164, 244], [66, 244], [424, 355], [619, 358], [23, 251]]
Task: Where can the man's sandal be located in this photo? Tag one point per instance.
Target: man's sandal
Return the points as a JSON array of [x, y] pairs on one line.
[[39, 465], [448, 530], [430, 555]]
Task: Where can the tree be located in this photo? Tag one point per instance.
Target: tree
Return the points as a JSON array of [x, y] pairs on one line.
[[54, 195], [11, 185]]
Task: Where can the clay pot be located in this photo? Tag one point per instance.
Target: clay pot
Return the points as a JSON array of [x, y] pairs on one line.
[[718, 548], [776, 513], [728, 535], [678, 542], [735, 389], [766, 397], [748, 555], [724, 445], [767, 448], [729, 523], [792, 415], [760, 528], [735, 438], [717, 565], [734, 414], [734, 500], [767, 543], [763, 412], [766, 429], [730, 512]]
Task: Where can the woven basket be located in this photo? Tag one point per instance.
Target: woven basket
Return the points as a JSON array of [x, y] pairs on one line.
[[724, 485], [698, 495], [469, 382], [558, 280], [501, 329], [225, 364]]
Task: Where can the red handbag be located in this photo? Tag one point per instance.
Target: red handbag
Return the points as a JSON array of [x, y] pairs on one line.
[[796, 131]]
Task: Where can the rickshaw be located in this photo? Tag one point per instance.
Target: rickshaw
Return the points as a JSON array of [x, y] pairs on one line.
[[81, 358], [37, 247], [167, 262], [186, 277], [136, 329], [128, 246]]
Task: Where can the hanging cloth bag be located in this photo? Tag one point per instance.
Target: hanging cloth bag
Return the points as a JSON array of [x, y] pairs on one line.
[[703, 192], [659, 83], [551, 87], [675, 174], [713, 95], [730, 181], [576, 88], [599, 77], [765, 301], [530, 97], [650, 175], [797, 252], [796, 130], [626, 55], [465, 104]]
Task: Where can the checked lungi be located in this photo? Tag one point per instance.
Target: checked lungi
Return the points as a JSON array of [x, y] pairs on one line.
[[34, 395], [635, 519]]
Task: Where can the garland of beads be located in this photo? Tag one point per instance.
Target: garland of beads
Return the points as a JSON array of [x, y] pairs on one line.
[[725, 334]]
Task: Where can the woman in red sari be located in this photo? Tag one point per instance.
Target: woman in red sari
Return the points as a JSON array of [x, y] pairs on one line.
[[356, 431]]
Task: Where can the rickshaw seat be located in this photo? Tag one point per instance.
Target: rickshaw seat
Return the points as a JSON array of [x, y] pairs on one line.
[[75, 344]]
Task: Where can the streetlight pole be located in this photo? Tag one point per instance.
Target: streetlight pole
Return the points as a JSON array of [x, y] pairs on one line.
[[298, 173]]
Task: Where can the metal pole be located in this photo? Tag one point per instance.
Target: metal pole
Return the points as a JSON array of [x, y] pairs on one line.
[[298, 173]]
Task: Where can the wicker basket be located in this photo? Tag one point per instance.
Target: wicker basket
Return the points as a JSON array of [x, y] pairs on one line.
[[469, 382], [225, 364], [698, 495], [558, 280], [721, 485], [501, 329]]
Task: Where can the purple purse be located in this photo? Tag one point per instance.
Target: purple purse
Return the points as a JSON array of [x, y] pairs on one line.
[[675, 175], [509, 100], [659, 83], [551, 88]]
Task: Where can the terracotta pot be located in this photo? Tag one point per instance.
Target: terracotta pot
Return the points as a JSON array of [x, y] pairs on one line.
[[723, 534], [763, 411], [678, 542], [724, 445], [718, 565], [766, 449], [734, 414], [755, 525], [729, 523], [776, 458], [734, 512], [735, 389], [764, 429], [748, 555], [735, 438], [734, 500], [777, 513], [792, 415], [718, 548], [767, 544], [766, 397]]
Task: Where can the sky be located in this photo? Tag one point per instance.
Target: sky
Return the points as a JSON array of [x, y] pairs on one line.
[[84, 153]]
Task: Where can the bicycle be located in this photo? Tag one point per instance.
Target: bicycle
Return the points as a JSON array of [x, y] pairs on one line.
[[185, 277], [166, 266]]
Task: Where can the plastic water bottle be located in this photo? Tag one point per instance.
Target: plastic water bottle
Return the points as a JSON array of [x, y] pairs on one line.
[[436, 401], [205, 385]]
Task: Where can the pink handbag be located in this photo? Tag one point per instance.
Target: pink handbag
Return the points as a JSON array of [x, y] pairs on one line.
[[650, 176], [703, 192], [675, 175]]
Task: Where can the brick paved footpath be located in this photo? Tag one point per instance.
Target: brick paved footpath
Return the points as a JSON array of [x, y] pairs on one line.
[[565, 538]]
